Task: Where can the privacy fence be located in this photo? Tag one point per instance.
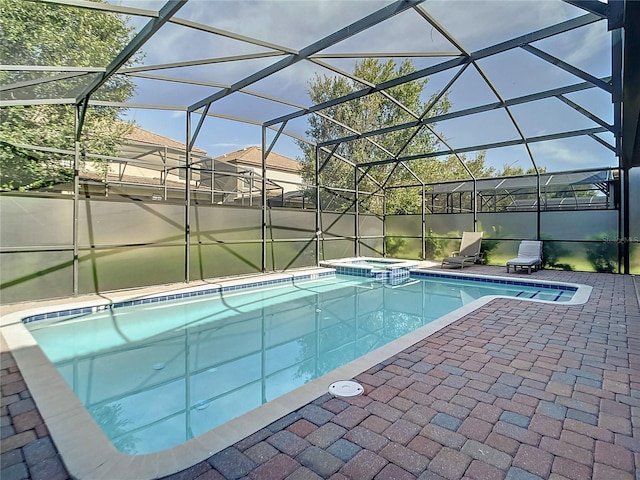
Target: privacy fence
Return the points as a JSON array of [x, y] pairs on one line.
[[57, 244]]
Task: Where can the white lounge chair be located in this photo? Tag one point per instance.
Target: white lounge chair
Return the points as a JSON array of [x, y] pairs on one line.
[[529, 255], [469, 251]]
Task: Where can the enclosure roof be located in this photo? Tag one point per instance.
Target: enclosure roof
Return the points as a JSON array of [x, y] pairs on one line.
[[530, 181], [541, 80]]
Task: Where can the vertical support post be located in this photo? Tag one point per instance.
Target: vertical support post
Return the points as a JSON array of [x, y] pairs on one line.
[[630, 123], [356, 213], [616, 83], [318, 219], [264, 200], [251, 180], [474, 204], [538, 205], [76, 204], [213, 181], [626, 227], [165, 172], [187, 202], [384, 222], [616, 99], [424, 224]]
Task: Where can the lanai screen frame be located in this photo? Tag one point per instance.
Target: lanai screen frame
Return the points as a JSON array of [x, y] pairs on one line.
[[620, 16]]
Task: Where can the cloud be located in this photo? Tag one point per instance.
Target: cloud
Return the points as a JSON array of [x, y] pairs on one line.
[[594, 52], [479, 24], [572, 153], [228, 144]]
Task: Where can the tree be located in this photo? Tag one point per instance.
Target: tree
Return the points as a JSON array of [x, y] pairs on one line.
[[510, 171], [40, 34], [372, 112]]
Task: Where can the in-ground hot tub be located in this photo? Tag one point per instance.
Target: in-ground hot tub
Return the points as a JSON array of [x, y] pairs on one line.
[[393, 270]]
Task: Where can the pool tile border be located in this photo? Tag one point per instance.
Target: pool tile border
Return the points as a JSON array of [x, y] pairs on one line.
[[177, 296]]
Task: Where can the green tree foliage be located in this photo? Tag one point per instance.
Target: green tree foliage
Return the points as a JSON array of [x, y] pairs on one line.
[[510, 171], [373, 112], [39, 34], [603, 253]]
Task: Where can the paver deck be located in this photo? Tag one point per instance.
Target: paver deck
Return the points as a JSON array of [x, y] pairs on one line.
[[516, 390]]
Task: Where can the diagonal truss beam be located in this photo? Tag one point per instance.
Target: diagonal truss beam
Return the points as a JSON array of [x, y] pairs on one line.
[[441, 67], [40, 81], [471, 111], [164, 14], [587, 77], [204, 61], [490, 84], [231, 35], [483, 53], [387, 95], [602, 142], [593, 6], [338, 36], [507, 109], [585, 112], [333, 153], [186, 81], [489, 146], [386, 55]]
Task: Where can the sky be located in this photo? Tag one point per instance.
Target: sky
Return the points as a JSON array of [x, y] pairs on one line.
[[295, 24]]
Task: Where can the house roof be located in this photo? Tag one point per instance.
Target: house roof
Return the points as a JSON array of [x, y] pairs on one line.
[[154, 151], [145, 137], [252, 156]]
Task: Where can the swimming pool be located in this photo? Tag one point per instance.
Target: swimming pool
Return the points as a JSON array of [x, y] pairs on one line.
[[89, 450], [154, 375]]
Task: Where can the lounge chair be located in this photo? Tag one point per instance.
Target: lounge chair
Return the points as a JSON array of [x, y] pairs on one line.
[[529, 255], [469, 251]]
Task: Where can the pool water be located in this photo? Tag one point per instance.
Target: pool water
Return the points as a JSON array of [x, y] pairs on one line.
[[156, 375]]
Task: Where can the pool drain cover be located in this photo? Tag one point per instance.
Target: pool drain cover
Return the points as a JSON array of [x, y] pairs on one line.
[[346, 388]]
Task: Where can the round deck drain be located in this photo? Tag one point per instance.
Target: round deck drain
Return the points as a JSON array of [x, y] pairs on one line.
[[346, 388]]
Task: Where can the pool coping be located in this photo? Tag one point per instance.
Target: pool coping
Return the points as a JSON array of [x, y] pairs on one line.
[[91, 455], [580, 296], [389, 263]]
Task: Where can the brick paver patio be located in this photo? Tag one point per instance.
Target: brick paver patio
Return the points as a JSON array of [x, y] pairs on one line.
[[516, 390]]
